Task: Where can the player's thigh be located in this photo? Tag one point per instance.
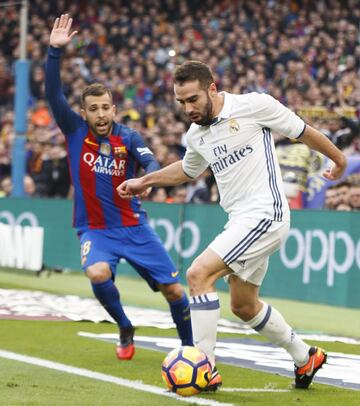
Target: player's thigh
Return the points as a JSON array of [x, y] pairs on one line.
[[95, 248], [146, 253], [208, 265], [246, 245]]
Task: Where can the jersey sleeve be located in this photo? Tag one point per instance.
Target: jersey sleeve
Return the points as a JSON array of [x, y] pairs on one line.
[[65, 117], [193, 163], [269, 112], [142, 153]]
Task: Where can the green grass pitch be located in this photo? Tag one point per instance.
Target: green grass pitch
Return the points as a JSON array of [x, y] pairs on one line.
[[25, 384]]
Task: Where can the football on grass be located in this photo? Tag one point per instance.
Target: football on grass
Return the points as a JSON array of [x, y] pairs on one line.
[[186, 371]]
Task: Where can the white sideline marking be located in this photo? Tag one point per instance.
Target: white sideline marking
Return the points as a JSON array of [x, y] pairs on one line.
[[253, 390], [137, 385]]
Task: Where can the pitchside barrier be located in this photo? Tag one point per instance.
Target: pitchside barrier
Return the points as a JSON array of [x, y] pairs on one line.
[[319, 262]]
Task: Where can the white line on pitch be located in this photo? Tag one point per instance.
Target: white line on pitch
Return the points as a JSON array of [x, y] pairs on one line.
[[253, 390], [136, 385]]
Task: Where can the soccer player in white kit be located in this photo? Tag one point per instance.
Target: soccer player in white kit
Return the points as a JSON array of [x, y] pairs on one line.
[[231, 134]]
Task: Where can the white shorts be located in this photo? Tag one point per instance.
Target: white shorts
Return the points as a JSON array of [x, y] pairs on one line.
[[246, 244]]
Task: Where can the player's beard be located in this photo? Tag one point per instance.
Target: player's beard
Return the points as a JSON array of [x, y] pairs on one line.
[[206, 115], [103, 132]]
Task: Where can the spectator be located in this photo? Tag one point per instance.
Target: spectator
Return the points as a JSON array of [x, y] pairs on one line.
[[331, 197], [29, 186], [55, 172], [343, 193], [178, 195], [306, 54], [41, 116], [128, 112], [5, 161], [7, 186], [158, 195], [341, 131], [354, 197], [203, 189]]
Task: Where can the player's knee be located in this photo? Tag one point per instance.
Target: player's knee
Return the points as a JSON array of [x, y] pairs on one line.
[[243, 310], [193, 275], [172, 292], [98, 273]]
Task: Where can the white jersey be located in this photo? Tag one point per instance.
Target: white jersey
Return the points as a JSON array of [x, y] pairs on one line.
[[240, 151]]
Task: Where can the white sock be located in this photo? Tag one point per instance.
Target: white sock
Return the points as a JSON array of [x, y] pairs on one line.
[[271, 324], [205, 314]]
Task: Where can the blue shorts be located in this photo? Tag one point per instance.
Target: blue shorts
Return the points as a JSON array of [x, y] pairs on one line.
[[139, 245]]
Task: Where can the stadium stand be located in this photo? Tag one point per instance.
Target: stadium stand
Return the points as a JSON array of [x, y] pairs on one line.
[[306, 54]]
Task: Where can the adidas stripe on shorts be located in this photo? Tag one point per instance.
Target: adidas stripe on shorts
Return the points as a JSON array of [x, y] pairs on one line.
[[246, 244]]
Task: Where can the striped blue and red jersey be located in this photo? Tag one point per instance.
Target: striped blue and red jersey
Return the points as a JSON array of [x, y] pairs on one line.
[[97, 164]]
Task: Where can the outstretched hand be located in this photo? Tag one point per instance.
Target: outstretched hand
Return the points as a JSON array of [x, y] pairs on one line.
[[131, 188], [60, 34]]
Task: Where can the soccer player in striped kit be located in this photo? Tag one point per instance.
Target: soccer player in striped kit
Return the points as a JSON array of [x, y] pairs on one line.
[[102, 154], [232, 134]]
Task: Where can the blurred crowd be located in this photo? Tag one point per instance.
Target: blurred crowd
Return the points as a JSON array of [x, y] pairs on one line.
[[304, 53], [344, 196]]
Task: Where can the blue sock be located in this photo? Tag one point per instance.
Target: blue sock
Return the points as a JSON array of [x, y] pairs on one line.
[[180, 311], [108, 295]]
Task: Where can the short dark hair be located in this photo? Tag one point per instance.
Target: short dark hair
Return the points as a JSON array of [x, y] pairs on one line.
[[194, 70], [95, 89], [343, 183]]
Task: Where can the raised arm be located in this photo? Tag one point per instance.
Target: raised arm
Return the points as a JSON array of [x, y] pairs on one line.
[[314, 139], [59, 37]]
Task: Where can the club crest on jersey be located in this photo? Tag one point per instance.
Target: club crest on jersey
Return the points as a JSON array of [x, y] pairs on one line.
[[234, 126], [105, 148], [120, 152]]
